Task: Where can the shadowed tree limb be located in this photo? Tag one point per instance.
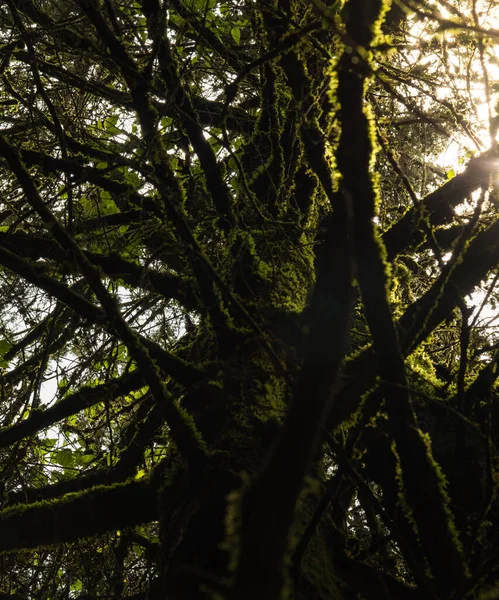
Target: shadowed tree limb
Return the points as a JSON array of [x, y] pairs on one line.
[[35, 274], [424, 515], [438, 207], [70, 405], [166, 285], [91, 512], [182, 428]]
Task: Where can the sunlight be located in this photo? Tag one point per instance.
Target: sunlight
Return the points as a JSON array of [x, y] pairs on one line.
[[472, 84], [473, 75]]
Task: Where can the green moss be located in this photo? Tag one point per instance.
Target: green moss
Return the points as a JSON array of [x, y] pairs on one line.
[[442, 487], [71, 517], [316, 569], [401, 493], [232, 542], [421, 364], [378, 35]]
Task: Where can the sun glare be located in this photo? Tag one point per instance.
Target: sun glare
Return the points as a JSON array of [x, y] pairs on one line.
[[472, 71], [457, 44]]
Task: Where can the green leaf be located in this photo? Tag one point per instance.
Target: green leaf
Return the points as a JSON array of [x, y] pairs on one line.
[[49, 442], [451, 173], [201, 5], [235, 32], [81, 458], [110, 125], [132, 178], [176, 19], [63, 458], [5, 346], [107, 205]]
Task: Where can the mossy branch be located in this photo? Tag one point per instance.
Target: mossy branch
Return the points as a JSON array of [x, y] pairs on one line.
[[181, 371], [70, 405], [438, 207], [421, 318], [79, 515], [182, 428], [426, 514], [166, 285]]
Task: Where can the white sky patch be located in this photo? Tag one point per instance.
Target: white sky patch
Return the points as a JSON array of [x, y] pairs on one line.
[[468, 76]]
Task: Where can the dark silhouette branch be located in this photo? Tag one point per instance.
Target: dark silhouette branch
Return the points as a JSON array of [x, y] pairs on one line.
[[92, 512], [70, 405]]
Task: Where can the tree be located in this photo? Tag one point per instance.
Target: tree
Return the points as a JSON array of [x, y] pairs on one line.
[[239, 357]]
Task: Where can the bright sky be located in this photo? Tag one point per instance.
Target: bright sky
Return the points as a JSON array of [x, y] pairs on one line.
[[480, 79], [482, 88]]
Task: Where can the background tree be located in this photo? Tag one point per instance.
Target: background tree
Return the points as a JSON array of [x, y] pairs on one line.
[[248, 272]]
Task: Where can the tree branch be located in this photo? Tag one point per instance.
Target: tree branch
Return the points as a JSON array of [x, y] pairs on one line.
[[80, 515]]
